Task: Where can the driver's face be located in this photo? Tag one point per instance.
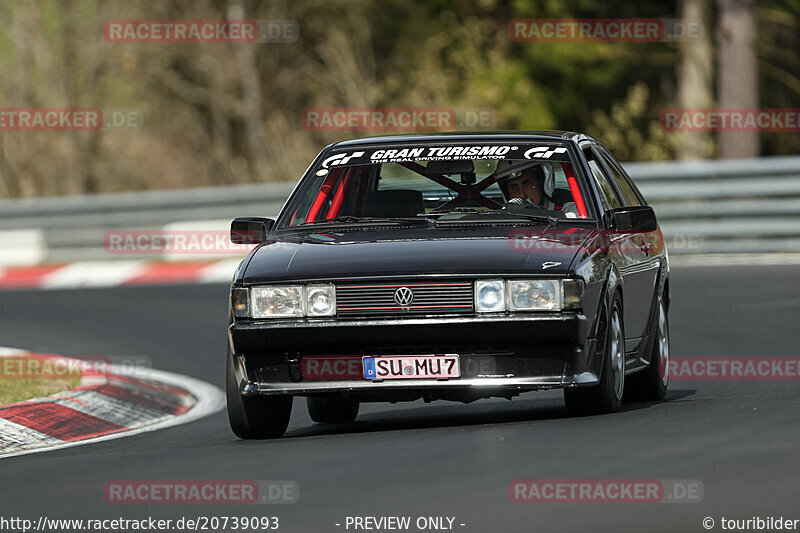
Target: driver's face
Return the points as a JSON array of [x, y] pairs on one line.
[[526, 186]]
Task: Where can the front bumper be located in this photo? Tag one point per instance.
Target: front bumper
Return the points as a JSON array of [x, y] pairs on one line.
[[500, 355]]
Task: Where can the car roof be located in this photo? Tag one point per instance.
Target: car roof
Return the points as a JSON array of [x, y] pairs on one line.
[[470, 136]]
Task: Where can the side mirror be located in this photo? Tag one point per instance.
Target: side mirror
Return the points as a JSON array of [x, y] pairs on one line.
[[250, 230], [632, 219]]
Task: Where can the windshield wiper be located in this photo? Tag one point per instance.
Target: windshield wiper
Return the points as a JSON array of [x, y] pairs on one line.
[[460, 210], [349, 219], [551, 221]]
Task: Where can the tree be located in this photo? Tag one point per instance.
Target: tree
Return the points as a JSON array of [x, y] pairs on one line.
[[738, 73], [696, 78]]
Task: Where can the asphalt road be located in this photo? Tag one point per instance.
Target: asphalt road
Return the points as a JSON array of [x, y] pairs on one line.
[[739, 438]]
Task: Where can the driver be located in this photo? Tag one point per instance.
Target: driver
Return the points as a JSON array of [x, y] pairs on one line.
[[530, 184]]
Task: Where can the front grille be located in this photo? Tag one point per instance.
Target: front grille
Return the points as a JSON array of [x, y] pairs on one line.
[[365, 299]]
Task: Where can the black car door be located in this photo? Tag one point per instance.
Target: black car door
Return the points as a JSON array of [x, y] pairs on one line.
[[630, 252], [643, 271]]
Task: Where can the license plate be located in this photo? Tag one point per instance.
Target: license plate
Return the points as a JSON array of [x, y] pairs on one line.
[[411, 367]]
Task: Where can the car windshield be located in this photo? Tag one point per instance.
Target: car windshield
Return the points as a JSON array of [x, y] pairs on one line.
[[534, 182]]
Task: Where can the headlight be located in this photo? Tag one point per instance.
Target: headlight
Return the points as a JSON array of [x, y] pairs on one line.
[[534, 295], [320, 300], [490, 296], [277, 301]]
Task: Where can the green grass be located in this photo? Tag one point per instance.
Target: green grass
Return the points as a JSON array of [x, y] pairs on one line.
[[23, 378]]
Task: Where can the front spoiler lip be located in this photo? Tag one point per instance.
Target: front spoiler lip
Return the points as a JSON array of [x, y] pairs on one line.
[[252, 388]]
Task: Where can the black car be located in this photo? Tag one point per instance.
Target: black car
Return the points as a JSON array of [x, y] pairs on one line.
[[449, 266]]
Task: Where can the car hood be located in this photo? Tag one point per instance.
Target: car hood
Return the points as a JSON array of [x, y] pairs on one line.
[[492, 251]]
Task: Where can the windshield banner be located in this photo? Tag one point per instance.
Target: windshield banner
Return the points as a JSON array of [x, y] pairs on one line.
[[402, 154]]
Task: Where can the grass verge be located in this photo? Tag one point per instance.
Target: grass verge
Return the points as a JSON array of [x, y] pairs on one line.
[[24, 377]]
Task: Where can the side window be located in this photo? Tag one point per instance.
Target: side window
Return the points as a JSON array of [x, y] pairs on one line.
[[609, 195], [628, 195]]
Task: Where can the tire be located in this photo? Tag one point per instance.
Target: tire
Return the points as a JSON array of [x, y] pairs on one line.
[[255, 417], [651, 384], [605, 396], [332, 409]]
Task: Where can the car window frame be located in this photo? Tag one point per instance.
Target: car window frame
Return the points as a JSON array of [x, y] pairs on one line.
[[608, 160], [602, 193]]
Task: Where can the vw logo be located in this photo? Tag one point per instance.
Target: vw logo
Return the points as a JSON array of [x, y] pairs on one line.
[[403, 296]]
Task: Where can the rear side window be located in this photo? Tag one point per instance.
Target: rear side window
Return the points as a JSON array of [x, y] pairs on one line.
[[628, 195], [608, 195]]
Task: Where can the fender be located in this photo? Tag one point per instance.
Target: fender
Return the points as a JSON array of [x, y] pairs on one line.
[[646, 355], [613, 282]]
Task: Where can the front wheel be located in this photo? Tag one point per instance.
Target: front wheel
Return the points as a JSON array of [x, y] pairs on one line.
[[606, 396], [255, 417]]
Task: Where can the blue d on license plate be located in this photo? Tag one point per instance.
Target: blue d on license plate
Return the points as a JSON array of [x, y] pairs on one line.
[[411, 367]]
